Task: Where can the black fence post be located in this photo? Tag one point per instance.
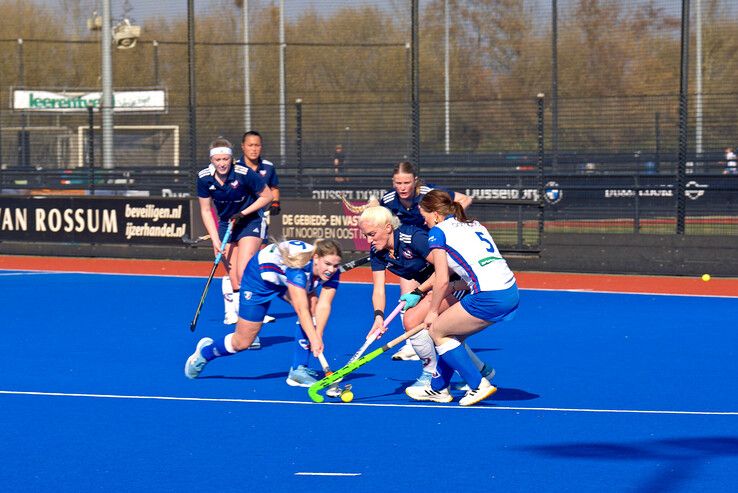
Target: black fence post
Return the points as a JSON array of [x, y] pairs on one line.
[[192, 103], [298, 132], [91, 148], [657, 132], [683, 114], [541, 158], [415, 86]]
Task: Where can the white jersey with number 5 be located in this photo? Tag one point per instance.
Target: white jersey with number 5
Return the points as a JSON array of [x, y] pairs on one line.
[[472, 254]]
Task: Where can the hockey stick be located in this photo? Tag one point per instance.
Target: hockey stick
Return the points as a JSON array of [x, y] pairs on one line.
[[218, 257], [349, 368], [354, 263], [194, 241], [334, 390]]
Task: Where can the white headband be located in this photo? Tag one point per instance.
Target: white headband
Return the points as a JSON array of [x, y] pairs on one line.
[[221, 150]]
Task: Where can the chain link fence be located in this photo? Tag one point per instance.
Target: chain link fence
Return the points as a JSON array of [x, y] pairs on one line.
[[340, 74]]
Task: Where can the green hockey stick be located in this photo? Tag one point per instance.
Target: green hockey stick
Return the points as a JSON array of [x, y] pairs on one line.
[[353, 366]]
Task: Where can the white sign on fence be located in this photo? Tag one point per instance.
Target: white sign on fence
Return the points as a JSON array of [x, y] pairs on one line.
[[66, 102]]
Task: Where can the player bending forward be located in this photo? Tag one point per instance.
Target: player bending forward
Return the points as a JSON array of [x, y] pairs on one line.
[[465, 247], [292, 270]]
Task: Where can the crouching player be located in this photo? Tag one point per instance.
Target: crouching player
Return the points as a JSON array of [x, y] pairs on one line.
[[293, 270], [403, 250], [465, 247]]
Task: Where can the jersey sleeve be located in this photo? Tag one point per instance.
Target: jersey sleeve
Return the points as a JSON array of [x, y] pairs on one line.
[[296, 277], [436, 238], [377, 263], [419, 242], [273, 179], [202, 189], [451, 193]]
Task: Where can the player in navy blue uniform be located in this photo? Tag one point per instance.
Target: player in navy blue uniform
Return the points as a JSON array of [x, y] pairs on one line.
[[464, 247], [252, 145], [408, 190], [403, 250], [237, 193], [293, 270]]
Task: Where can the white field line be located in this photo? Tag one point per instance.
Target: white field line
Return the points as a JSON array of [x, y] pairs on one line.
[[409, 406], [327, 474]]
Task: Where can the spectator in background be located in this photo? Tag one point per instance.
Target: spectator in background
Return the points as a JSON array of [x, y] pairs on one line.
[[730, 162], [339, 158]]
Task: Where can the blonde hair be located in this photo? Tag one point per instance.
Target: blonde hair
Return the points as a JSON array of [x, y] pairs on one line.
[[220, 142], [298, 260], [379, 216], [358, 209]]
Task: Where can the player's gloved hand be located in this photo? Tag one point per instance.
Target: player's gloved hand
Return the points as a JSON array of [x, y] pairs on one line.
[[275, 209], [412, 298], [236, 217]]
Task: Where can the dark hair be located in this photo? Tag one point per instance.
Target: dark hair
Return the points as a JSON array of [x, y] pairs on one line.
[[440, 202], [251, 132], [406, 167]]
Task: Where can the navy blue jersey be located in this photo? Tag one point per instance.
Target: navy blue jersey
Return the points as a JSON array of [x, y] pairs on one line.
[[410, 215], [411, 250], [266, 170], [240, 189]]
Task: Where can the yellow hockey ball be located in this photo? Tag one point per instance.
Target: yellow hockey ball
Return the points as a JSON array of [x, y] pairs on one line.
[[347, 396], [705, 277]]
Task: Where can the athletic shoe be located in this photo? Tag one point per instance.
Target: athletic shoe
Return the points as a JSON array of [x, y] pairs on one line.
[[423, 380], [426, 393], [406, 353], [484, 390], [333, 391], [302, 376], [256, 344], [230, 318], [487, 372], [268, 319], [195, 363]]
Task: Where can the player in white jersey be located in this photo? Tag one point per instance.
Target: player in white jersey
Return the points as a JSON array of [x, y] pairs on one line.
[[293, 270], [465, 247]]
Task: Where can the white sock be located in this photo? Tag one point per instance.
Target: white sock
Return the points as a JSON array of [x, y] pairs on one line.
[[227, 293], [236, 303], [425, 349], [475, 359], [402, 322]]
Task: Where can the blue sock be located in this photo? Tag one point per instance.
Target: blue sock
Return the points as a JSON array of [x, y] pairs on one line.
[[301, 354], [442, 376], [458, 359], [219, 348]]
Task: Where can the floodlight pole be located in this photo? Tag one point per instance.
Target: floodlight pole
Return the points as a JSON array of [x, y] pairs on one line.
[[446, 73], [106, 105], [246, 67], [698, 80], [192, 103], [282, 88]]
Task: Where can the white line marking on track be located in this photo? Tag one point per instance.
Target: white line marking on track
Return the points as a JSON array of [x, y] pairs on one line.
[[327, 474], [30, 273], [359, 404]]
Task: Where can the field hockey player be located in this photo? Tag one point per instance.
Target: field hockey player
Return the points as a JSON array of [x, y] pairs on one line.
[[293, 270]]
